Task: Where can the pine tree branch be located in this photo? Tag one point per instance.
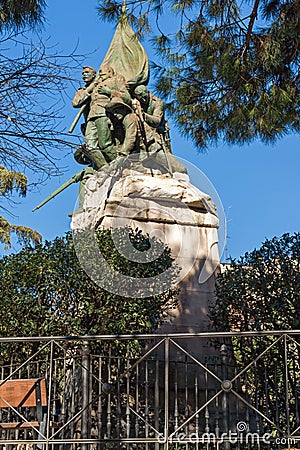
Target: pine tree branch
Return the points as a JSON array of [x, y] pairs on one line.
[[253, 17]]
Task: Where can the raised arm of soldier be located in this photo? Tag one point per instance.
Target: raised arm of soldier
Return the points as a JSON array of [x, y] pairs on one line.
[[152, 106]]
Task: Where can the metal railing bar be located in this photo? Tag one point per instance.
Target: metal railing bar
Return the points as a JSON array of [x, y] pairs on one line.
[[144, 420], [287, 394], [49, 392], [108, 337], [295, 431], [82, 441], [196, 361], [24, 363], [256, 359], [293, 340], [166, 387], [139, 360], [123, 440], [255, 409], [70, 421], [21, 416], [195, 413]]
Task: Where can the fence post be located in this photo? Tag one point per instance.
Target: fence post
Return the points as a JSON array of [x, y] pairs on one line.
[[85, 393], [167, 361], [225, 406]]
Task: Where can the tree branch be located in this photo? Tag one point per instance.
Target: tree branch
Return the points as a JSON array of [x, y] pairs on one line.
[[253, 16]]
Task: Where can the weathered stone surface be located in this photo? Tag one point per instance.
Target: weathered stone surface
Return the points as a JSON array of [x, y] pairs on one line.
[[144, 197], [180, 215]]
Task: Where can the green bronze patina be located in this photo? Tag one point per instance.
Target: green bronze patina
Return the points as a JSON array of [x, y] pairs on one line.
[[127, 56], [121, 116]]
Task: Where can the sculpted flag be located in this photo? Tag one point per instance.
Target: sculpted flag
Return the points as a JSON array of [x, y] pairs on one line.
[[127, 56]]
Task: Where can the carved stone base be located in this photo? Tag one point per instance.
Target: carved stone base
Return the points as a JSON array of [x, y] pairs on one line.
[[172, 209]]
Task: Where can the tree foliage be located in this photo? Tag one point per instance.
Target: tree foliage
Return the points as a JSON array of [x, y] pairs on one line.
[[32, 86], [261, 292], [46, 291], [230, 69], [33, 79], [14, 181], [19, 13]]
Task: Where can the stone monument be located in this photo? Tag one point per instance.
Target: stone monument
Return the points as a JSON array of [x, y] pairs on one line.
[[133, 179]]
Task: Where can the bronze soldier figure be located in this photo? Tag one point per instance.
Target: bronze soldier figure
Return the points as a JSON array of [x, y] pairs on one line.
[[96, 95]]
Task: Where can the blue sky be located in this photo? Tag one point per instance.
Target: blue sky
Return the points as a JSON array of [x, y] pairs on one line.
[[258, 185]]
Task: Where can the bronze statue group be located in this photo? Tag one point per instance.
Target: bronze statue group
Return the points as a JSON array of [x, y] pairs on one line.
[[122, 124], [119, 120]]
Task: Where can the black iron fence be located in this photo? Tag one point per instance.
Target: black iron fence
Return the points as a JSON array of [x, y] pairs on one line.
[[208, 390]]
